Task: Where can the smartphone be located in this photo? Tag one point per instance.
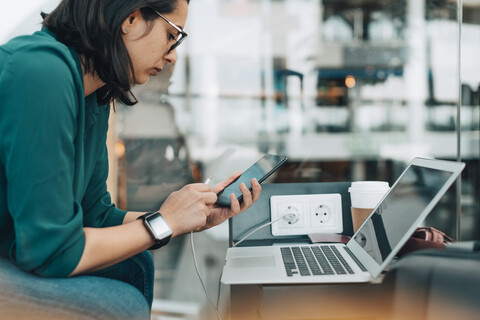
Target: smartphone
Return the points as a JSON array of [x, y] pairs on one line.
[[260, 170]]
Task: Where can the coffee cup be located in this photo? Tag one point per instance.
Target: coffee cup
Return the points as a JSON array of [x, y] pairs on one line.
[[365, 195]]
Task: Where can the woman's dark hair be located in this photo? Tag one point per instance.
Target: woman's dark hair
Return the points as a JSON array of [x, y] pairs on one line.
[[93, 29]]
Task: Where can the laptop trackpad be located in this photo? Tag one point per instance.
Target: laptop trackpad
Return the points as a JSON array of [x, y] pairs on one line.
[[252, 262]]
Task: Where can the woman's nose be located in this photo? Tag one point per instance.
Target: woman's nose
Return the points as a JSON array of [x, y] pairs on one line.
[[171, 57]]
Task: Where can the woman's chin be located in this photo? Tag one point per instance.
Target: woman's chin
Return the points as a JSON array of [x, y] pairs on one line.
[[142, 80]]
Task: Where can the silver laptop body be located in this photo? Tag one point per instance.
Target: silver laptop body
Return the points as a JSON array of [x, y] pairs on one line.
[[371, 248]]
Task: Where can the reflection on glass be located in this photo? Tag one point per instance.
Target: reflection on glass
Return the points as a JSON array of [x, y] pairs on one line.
[[399, 211]]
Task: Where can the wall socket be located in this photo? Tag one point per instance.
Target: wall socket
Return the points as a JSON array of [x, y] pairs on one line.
[[306, 214]]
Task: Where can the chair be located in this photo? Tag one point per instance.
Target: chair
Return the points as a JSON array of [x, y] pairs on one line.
[[434, 284], [27, 296]]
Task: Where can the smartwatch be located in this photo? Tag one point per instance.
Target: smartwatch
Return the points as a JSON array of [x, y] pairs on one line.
[[157, 227]]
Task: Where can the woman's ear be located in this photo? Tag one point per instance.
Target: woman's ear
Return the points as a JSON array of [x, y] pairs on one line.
[[131, 21]]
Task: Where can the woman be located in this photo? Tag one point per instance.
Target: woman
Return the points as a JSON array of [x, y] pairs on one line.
[[56, 216]]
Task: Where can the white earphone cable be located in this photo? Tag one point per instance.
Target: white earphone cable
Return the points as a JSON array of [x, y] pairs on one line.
[[199, 277], [241, 240], [262, 226]]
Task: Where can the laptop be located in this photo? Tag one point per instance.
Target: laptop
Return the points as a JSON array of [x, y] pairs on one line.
[[367, 253]]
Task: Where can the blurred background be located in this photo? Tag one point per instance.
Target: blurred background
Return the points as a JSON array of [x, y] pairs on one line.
[[347, 89]]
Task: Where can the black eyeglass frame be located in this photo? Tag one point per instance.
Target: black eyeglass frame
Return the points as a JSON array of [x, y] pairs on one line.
[[182, 33]]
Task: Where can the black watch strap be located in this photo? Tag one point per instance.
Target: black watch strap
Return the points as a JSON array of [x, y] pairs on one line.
[[146, 221]]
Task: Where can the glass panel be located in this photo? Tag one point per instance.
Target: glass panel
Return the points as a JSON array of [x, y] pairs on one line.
[[470, 120], [347, 90]]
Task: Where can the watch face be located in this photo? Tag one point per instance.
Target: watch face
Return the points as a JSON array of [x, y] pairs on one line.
[[159, 227]]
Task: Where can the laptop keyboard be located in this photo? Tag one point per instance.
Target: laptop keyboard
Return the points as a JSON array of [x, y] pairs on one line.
[[314, 260]]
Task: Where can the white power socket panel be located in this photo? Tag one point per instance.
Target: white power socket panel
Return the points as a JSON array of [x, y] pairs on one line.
[[306, 214]]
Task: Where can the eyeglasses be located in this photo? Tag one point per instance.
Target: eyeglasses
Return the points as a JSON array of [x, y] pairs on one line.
[[181, 34]]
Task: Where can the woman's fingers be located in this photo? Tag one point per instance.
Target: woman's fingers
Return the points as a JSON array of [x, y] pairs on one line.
[[189, 208], [247, 196], [223, 184], [234, 204], [201, 187], [256, 189], [210, 198]]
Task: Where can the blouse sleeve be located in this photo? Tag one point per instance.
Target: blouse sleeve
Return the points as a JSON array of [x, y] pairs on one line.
[[38, 125], [97, 203]]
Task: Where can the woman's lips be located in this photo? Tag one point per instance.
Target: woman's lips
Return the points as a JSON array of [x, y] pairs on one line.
[[156, 71]]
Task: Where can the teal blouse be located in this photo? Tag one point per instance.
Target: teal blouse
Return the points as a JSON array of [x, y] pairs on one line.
[[53, 157]]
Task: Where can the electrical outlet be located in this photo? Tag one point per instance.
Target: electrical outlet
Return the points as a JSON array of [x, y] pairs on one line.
[[293, 213], [321, 213], [306, 214]]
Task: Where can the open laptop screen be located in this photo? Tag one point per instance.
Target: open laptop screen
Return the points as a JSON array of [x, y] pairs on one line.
[[399, 210]]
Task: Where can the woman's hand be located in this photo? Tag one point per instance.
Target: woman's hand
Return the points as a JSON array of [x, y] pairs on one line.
[[219, 214], [193, 208], [188, 208]]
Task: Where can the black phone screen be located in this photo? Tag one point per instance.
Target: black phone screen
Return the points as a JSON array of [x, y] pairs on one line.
[[260, 170]]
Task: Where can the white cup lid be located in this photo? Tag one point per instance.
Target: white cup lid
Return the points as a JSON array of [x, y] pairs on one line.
[[368, 186], [367, 194]]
